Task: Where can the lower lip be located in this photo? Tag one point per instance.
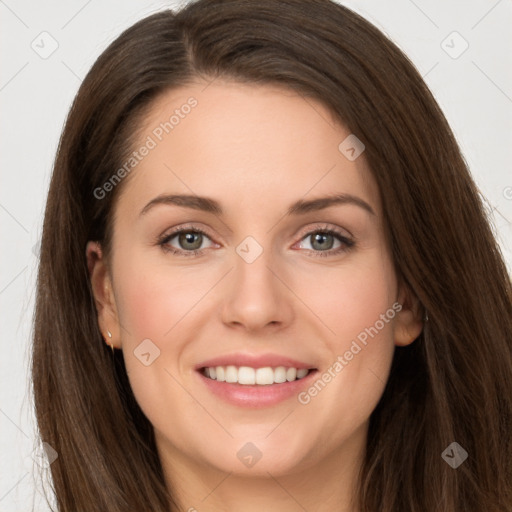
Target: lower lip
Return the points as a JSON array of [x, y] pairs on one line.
[[256, 396]]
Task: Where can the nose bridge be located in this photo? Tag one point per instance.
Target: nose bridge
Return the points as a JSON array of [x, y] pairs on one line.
[[252, 267], [256, 296]]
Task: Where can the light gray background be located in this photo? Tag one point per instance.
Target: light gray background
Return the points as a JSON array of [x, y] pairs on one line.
[[474, 90]]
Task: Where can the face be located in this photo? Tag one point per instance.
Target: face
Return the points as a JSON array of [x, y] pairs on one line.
[[253, 278]]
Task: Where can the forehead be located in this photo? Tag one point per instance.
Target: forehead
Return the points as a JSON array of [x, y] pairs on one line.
[[252, 145]]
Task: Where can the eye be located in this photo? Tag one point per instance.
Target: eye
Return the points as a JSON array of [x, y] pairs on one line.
[[188, 239], [322, 241]]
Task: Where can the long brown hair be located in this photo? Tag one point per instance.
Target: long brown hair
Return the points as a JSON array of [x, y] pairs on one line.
[[453, 384]]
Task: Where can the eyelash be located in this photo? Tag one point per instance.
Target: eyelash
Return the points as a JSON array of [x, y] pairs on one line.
[[165, 239]]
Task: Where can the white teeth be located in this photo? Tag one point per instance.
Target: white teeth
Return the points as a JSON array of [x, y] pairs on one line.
[[301, 373], [280, 374], [264, 376], [246, 375], [231, 374], [250, 376], [291, 374]]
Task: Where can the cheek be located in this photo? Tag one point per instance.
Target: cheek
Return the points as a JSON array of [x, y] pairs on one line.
[[151, 303], [365, 327], [355, 304], [151, 299], [350, 298]]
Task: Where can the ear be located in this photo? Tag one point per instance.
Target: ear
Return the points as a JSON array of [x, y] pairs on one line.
[[409, 320], [101, 284]]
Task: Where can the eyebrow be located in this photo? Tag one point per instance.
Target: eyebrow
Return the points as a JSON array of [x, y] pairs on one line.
[[300, 207]]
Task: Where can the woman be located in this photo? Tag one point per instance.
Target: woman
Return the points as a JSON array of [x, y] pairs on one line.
[[336, 336]]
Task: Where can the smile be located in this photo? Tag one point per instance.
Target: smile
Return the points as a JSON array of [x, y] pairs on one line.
[[255, 388]]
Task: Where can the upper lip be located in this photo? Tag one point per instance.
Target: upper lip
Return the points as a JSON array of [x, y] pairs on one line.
[[254, 361]]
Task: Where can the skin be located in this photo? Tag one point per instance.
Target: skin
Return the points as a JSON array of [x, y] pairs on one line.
[[256, 150]]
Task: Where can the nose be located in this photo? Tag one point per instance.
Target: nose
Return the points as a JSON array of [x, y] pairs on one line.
[[257, 295]]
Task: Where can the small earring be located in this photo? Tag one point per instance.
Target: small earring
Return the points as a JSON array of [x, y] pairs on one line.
[[110, 337], [426, 316]]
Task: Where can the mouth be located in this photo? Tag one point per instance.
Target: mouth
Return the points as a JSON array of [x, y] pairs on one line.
[[245, 386]]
